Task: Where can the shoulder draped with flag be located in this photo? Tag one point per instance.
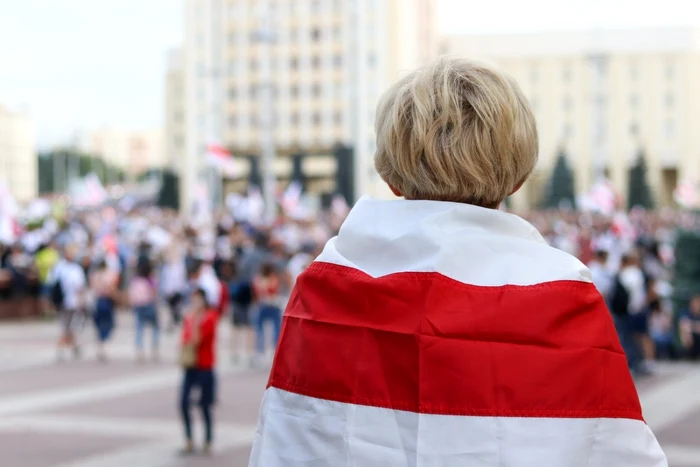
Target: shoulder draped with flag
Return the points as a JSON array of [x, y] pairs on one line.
[[441, 334]]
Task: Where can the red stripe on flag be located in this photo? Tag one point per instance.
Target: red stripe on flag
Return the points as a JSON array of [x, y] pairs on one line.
[[422, 342]]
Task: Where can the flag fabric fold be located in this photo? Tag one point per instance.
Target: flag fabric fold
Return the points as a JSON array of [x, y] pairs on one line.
[[441, 334]]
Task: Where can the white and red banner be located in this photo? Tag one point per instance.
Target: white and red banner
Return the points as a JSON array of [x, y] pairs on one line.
[[442, 334], [601, 198], [687, 195], [221, 159], [291, 198]]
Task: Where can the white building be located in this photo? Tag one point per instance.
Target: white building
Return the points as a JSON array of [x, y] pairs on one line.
[[325, 65], [19, 165], [603, 96], [132, 151]]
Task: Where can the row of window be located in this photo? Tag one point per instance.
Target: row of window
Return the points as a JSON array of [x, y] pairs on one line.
[[238, 8], [316, 91], [315, 62], [294, 119], [567, 72], [568, 102], [567, 131]]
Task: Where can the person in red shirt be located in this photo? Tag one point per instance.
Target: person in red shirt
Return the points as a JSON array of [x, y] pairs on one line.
[[198, 358]]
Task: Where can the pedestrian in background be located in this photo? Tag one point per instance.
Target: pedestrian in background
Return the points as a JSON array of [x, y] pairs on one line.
[[142, 297], [267, 288], [68, 292], [198, 358], [104, 283]]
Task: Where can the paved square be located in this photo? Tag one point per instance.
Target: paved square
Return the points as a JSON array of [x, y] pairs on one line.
[[121, 413]]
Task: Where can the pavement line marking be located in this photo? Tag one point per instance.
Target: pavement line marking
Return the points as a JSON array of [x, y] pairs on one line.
[[665, 404], [682, 456], [107, 426], [161, 454], [106, 389]]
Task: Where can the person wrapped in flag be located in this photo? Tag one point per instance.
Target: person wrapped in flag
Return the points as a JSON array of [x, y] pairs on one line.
[[436, 330]]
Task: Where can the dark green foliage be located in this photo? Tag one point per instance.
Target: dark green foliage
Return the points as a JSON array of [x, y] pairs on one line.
[[169, 194], [56, 167], [686, 278], [561, 190], [639, 194]]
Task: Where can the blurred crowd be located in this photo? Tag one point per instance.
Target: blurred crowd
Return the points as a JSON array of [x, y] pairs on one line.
[[147, 258]]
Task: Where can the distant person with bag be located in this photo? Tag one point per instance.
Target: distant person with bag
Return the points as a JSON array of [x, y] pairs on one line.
[[142, 297], [104, 282], [198, 358], [67, 294]]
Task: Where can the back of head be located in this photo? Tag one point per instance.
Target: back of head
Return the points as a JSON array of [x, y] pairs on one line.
[[458, 131]]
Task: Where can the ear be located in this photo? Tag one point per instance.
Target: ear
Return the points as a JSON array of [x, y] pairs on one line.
[[395, 191]]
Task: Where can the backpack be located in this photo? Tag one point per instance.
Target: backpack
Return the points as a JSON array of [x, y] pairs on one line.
[[57, 295], [619, 299]]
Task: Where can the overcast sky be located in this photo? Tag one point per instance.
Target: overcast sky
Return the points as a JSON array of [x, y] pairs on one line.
[[77, 64]]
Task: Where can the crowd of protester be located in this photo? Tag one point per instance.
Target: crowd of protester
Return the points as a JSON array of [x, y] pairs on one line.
[[147, 260], [147, 257]]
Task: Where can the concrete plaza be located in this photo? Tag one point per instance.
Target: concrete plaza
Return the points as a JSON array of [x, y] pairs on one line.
[[89, 414]]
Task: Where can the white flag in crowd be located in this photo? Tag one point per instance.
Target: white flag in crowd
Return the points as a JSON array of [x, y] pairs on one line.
[[221, 159], [686, 195]]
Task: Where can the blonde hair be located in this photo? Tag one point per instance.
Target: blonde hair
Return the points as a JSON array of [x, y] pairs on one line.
[[455, 130]]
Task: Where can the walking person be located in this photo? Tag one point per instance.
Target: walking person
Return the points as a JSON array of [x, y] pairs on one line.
[[198, 358], [241, 296], [142, 297], [267, 288], [174, 284], [104, 283], [68, 290]]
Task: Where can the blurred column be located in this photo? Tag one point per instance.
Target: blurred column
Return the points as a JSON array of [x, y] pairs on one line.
[[361, 159], [266, 37]]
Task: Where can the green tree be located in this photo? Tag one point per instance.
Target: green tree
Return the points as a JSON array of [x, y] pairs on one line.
[[57, 166], [686, 277], [169, 194], [561, 190], [639, 194]]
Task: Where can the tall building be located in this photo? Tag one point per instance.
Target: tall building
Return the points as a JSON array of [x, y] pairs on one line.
[[603, 96], [174, 111], [19, 165], [322, 63], [132, 151]]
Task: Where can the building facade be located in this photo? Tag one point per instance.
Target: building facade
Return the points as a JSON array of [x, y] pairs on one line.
[[132, 151], [304, 74], [174, 138], [19, 165], [603, 97]]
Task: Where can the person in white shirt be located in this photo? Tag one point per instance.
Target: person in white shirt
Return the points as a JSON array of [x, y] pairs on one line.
[[632, 279], [603, 279], [70, 284], [174, 284]]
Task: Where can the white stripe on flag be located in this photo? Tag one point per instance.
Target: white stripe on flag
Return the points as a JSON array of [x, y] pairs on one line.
[[435, 243], [304, 431]]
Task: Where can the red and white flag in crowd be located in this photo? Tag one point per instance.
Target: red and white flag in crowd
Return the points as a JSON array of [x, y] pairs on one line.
[[339, 207], [601, 198], [435, 334], [291, 197], [686, 195], [221, 159]]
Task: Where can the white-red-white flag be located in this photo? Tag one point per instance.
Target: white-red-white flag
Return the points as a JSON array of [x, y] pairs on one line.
[[686, 195], [436, 334], [291, 197], [601, 198], [220, 158]]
